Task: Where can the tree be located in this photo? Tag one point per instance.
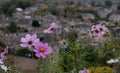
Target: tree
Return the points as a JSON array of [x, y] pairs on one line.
[[12, 28], [93, 3], [8, 8], [54, 10], [108, 3], [72, 36], [25, 3], [118, 7], [70, 2], [35, 23]]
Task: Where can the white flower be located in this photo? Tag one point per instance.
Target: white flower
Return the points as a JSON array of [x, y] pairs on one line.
[[1, 62], [4, 67], [112, 61]]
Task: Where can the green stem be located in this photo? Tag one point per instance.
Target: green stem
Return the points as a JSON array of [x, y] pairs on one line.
[[95, 68], [76, 61], [33, 55]]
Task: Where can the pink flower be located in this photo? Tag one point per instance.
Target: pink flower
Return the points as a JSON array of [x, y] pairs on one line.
[[84, 71], [29, 40], [51, 28], [42, 50], [99, 30], [2, 54], [6, 50]]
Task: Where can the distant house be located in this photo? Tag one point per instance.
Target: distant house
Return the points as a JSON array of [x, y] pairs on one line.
[[87, 22], [48, 38], [114, 6], [49, 18], [24, 23], [84, 29], [116, 33], [42, 6], [4, 22], [114, 17], [27, 17], [18, 15], [103, 12], [88, 16], [31, 9], [86, 4], [59, 30], [110, 23]]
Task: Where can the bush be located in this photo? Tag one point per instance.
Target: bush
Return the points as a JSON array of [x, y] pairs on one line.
[[8, 8], [104, 69], [12, 28], [108, 3], [35, 23], [24, 53], [54, 10], [118, 7]]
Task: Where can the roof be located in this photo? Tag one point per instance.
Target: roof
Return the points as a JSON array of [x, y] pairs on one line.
[[49, 17], [23, 22]]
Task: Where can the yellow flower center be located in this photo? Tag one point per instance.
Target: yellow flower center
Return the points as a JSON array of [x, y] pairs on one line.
[[42, 49]]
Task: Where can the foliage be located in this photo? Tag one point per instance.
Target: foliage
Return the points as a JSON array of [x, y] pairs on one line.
[[104, 69], [81, 54], [54, 10], [118, 7], [108, 3], [69, 2], [23, 52], [52, 64], [25, 3], [22, 3], [8, 8], [42, 12], [12, 28], [35, 23]]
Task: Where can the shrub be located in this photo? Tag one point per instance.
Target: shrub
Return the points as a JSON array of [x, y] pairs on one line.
[[104, 69], [35, 23], [24, 53], [54, 10], [12, 28]]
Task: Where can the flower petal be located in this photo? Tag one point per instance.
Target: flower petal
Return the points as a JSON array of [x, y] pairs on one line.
[[47, 31], [28, 37], [37, 54], [36, 50], [34, 36], [36, 41], [43, 55], [53, 25], [24, 40], [48, 50], [24, 45]]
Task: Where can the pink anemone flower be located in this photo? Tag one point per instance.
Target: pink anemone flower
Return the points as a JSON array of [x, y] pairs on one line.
[[51, 28], [42, 50], [29, 40]]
